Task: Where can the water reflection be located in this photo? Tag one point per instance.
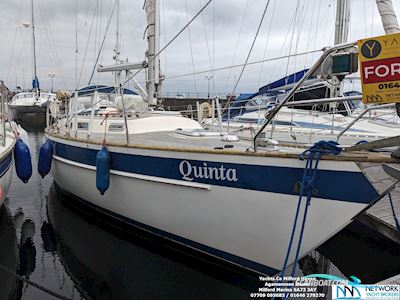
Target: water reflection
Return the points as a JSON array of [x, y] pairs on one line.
[[48, 237], [107, 264], [27, 249], [10, 287], [360, 251], [27, 203]]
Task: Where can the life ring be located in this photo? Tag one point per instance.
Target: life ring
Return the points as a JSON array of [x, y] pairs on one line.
[[206, 110]]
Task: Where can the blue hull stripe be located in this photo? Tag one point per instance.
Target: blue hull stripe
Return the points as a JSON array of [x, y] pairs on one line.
[[332, 185], [5, 164], [245, 263]]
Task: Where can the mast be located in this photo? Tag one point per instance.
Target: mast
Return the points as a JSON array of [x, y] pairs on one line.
[[153, 40], [117, 74], [35, 84], [388, 16], [341, 37], [342, 21], [117, 43], [76, 46]]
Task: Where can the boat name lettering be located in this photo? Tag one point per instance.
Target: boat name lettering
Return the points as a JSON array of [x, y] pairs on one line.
[[190, 172]]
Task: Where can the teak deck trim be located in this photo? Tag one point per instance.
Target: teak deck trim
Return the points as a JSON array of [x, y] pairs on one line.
[[359, 156]]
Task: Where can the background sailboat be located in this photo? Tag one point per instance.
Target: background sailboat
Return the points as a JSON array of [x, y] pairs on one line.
[[29, 108]]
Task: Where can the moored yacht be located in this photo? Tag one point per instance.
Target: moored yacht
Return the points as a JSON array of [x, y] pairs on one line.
[[29, 108], [106, 96], [7, 144], [6, 158], [12, 148], [236, 200]]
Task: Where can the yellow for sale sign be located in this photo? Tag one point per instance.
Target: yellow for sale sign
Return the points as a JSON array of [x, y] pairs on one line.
[[380, 68]]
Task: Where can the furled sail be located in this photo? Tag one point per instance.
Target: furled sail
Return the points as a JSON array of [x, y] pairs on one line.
[[388, 16]]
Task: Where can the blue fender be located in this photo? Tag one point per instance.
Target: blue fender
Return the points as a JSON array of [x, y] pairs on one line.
[[103, 164], [23, 162], [45, 158]]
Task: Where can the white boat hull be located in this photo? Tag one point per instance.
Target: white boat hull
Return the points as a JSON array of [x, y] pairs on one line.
[[247, 227], [6, 161], [5, 181]]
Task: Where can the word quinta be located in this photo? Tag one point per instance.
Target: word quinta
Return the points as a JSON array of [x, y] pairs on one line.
[[190, 172]]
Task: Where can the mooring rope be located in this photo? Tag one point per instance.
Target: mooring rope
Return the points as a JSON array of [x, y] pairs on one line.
[[306, 189], [105, 129], [34, 284]]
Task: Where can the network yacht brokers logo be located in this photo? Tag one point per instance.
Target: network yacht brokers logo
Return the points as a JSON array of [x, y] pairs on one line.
[[190, 172], [355, 290], [364, 291]]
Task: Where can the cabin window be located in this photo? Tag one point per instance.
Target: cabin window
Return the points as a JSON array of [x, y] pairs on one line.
[[116, 127], [83, 125]]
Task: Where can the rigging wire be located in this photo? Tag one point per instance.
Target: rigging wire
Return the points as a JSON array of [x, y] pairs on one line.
[[98, 31], [275, 69], [105, 34], [191, 48], [171, 41], [165, 37], [237, 42], [317, 27], [10, 63], [102, 43], [325, 16], [267, 43], [238, 65], [20, 51], [309, 36], [87, 45], [213, 48], [248, 56], [205, 33], [96, 34], [332, 35], [304, 12], [299, 28], [291, 39], [52, 44]]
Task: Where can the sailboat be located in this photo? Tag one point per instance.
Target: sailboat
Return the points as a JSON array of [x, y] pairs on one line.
[[29, 108], [232, 199], [7, 143], [107, 98], [12, 149], [306, 122]]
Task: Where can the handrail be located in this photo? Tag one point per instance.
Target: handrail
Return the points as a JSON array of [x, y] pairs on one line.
[[3, 97], [323, 100], [361, 115], [313, 68]]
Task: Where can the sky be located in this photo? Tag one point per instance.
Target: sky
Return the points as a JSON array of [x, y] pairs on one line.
[[220, 37]]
